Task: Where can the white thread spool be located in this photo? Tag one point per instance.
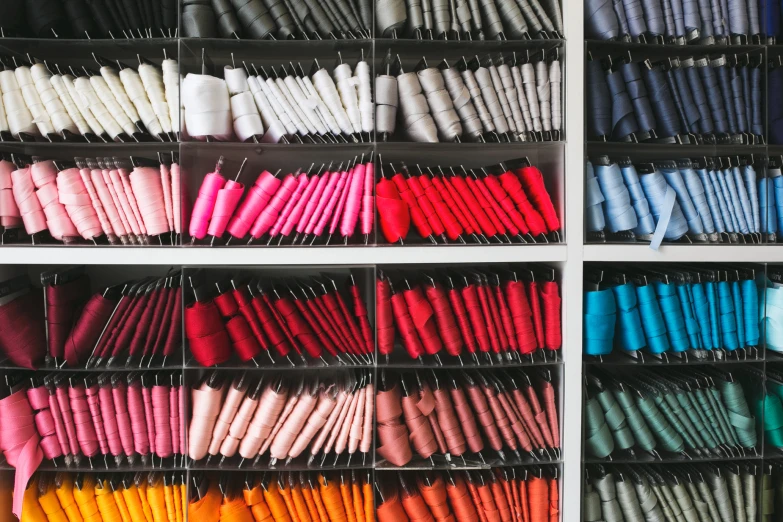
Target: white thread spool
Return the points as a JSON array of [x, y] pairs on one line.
[[153, 85], [285, 99], [323, 109], [207, 107], [134, 88], [51, 101], [3, 119], [33, 101], [328, 91], [366, 107], [247, 120], [171, 85], [346, 85], [306, 107], [19, 117], [111, 104], [112, 79], [81, 105], [83, 86]]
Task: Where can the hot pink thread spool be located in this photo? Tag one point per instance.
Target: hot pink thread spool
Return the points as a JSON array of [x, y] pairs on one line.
[[257, 198], [226, 202], [165, 180], [302, 183], [9, 211], [176, 197], [368, 201], [323, 202], [29, 207], [354, 202], [338, 212], [73, 194], [205, 202], [334, 199], [44, 177], [313, 203], [268, 216], [296, 214]]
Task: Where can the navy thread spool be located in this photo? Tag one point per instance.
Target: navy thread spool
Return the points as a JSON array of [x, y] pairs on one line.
[[622, 20], [706, 123], [634, 13], [653, 14], [755, 96], [722, 74], [679, 20], [624, 124], [678, 104], [599, 102], [775, 78], [691, 19], [692, 118], [738, 95], [710, 82], [668, 19], [705, 14], [665, 110], [770, 16], [637, 92], [600, 20], [777, 181]]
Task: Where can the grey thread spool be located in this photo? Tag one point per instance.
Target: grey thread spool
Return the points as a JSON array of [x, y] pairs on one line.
[[282, 18], [529, 81], [365, 11], [415, 17], [464, 16], [454, 20], [749, 492], [706, 496], [610, 507], [737, 498], [629, 503], [475, 18], [227, 22], [555, 81], [544, 95], [460, 97], [504, 71], [516, 74], [542, 15], [390, 16], [530, 16], [441, 106], [648, 501], [698, 503], [490, 96], [419, 124], [591, 506], [254, 17], [514, 22], [426, 7], [685, 503], [441, 12], [337, 17], [351, 22], [497, 83], [478, 100], [386, 102], [322, 21], [198, 20], [494, 25], [305, 16]]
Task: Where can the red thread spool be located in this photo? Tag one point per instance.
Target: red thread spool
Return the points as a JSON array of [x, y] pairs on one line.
[[270, 326], [521, 315], [424, 319], [206, 334], [414, 184], [360, 311], [535, 308], [406, 326], [353, 328], [87, 329], [245, 305], [467, 420], [513, 188], [553, 334], [316, 326], [452, 201], [174, 336], [242, 338], [497, 208], [300, 330], [333, 310], [506, 203], [483, 201], [162, 311], [393, 213], [447, 326], [417, 216], [474, 208], [141, 328], [533, 181], [463, 320], [325, 325], [484, 416], [494, 314], [450, 222], [505, 318], [470, 296], [550, 406], [384, 317]]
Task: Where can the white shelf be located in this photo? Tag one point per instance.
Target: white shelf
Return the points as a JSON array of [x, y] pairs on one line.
[[350, 255], [685, 253]]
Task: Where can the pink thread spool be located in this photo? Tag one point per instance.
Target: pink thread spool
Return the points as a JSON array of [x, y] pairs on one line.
[[331, 204], [9, 211], [338, 212], [269, 215], [227, 200], [73, 194], [29, 207], [354, 202], [147, 186], [368, 201], [302, 182], [44, 176], [108, 202], [122, 197], [165, 180], [323, 202], [103, 219], [205, 202], [176, 198], [311, 206], [258, 196], [127, 187], [296, 215]]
